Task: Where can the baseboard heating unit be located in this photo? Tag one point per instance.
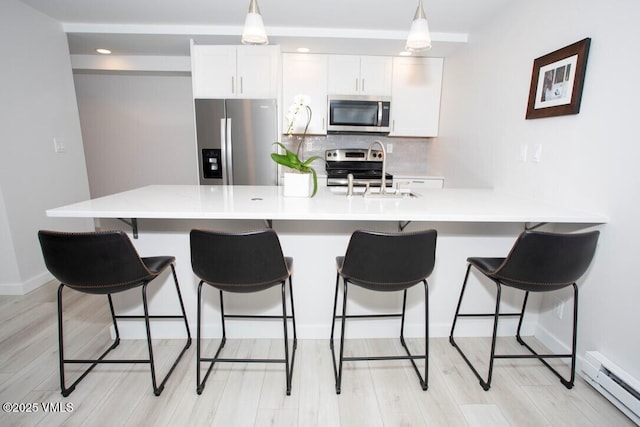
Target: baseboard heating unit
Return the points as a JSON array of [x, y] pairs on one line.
[[613, 383]]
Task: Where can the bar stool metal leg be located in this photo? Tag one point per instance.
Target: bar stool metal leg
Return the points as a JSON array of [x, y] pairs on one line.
[[333, 324], [288, 360], [289, 369], [424, 383], [567, 382], [223, 340], [486, 383], [157, 389], [337, 365], [66, 391], [344, 318]]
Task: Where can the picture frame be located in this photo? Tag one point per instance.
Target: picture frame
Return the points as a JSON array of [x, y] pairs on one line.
[[557, 80]]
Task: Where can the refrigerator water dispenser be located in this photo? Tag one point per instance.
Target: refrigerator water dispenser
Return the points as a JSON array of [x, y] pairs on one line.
[[212, 163]]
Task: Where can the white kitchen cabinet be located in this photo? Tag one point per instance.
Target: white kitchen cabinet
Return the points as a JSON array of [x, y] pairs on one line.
[[360, 75], [417, 183], [304, 74], [415, 94], [234, 71]]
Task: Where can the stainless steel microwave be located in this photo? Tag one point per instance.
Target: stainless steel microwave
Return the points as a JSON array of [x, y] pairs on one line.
[[360, 114]]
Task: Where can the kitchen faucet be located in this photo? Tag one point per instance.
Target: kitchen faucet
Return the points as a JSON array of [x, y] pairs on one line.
[[383, 182]]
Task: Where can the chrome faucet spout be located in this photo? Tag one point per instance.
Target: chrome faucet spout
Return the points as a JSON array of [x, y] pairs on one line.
[[383, 181]]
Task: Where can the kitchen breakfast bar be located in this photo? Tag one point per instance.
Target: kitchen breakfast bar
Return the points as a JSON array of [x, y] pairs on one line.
[[470, 222]]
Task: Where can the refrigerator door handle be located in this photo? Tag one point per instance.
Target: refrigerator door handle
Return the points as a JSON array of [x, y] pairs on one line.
[[223, 150], [229, 155]]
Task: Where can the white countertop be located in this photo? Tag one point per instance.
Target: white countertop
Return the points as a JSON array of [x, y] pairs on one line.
[[267, 202]]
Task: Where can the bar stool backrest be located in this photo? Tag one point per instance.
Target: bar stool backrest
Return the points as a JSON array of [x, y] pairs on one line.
[[238, 262], [93, 262], [540, 260], [389, 261]]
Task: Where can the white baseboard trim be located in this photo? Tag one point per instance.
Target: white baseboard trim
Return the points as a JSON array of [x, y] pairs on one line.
[[27, 286], [551, 341], [557, 346]]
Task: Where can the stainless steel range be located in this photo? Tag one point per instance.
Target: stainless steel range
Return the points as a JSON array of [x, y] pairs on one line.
[[365, 166]]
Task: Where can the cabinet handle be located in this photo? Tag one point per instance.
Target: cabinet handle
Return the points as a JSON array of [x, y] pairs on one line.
[[233, 84], [357, 84], [241, 85], [323, 119], [363, 85]]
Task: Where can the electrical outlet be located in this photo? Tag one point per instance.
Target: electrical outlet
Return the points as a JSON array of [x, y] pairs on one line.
[[558, 309], [389, 148]]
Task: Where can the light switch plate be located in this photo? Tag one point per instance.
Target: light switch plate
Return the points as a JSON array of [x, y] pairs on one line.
[[537, 153], [523, 152], [58, 146]]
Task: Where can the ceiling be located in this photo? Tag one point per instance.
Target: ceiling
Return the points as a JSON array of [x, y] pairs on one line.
[[164, 27]]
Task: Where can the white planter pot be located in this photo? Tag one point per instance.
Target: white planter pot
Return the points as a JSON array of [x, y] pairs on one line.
[[298, 184]]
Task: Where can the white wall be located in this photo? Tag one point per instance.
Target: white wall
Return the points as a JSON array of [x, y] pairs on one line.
[[37, 104], [8, 261], [588, 160], [138, 129]]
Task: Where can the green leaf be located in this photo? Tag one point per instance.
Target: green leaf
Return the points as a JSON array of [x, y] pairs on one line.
[[315, 182], [280, 159], [310, 160], [293, 159]]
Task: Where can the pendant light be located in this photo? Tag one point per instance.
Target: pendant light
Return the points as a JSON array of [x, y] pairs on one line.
[[254, 32], [419, 38]]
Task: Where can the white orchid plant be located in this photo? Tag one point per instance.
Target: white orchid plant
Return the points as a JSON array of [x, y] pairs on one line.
[[292, 159], [300, 102]]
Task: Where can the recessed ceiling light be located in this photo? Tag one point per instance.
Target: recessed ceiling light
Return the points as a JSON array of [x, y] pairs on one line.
[[405, 53], [303, 50], [103, 51]]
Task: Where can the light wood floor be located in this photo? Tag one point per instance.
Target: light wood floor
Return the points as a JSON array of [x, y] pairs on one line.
[[373, 393]]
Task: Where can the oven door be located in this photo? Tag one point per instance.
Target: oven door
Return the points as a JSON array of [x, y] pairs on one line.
[[359, 114]]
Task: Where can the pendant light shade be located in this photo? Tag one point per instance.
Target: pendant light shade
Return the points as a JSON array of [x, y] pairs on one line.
[[254, 32], [419, 38]]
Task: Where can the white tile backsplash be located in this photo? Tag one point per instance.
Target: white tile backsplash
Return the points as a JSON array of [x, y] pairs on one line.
[[410, 156]]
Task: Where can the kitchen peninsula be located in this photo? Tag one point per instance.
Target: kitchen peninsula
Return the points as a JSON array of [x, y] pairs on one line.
[[267, 202], [314, 231]]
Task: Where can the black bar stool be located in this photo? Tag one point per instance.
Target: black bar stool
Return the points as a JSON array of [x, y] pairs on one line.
[[384, 262], [106, 263], [242, 263], [537, 262]]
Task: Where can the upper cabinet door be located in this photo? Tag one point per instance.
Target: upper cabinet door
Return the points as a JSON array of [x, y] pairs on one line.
[[415, 108], [213, 71], [258, 68], [235, 71], [304, 74], [375, 75], [360, 75], [344, 75]]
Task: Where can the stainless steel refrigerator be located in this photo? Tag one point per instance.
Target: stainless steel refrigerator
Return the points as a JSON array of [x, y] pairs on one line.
[[235, 140]]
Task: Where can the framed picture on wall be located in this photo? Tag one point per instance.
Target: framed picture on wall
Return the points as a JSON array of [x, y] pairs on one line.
[[557, 80]]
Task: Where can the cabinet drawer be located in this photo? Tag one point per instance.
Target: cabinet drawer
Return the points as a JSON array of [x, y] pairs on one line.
[[419, 183]]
